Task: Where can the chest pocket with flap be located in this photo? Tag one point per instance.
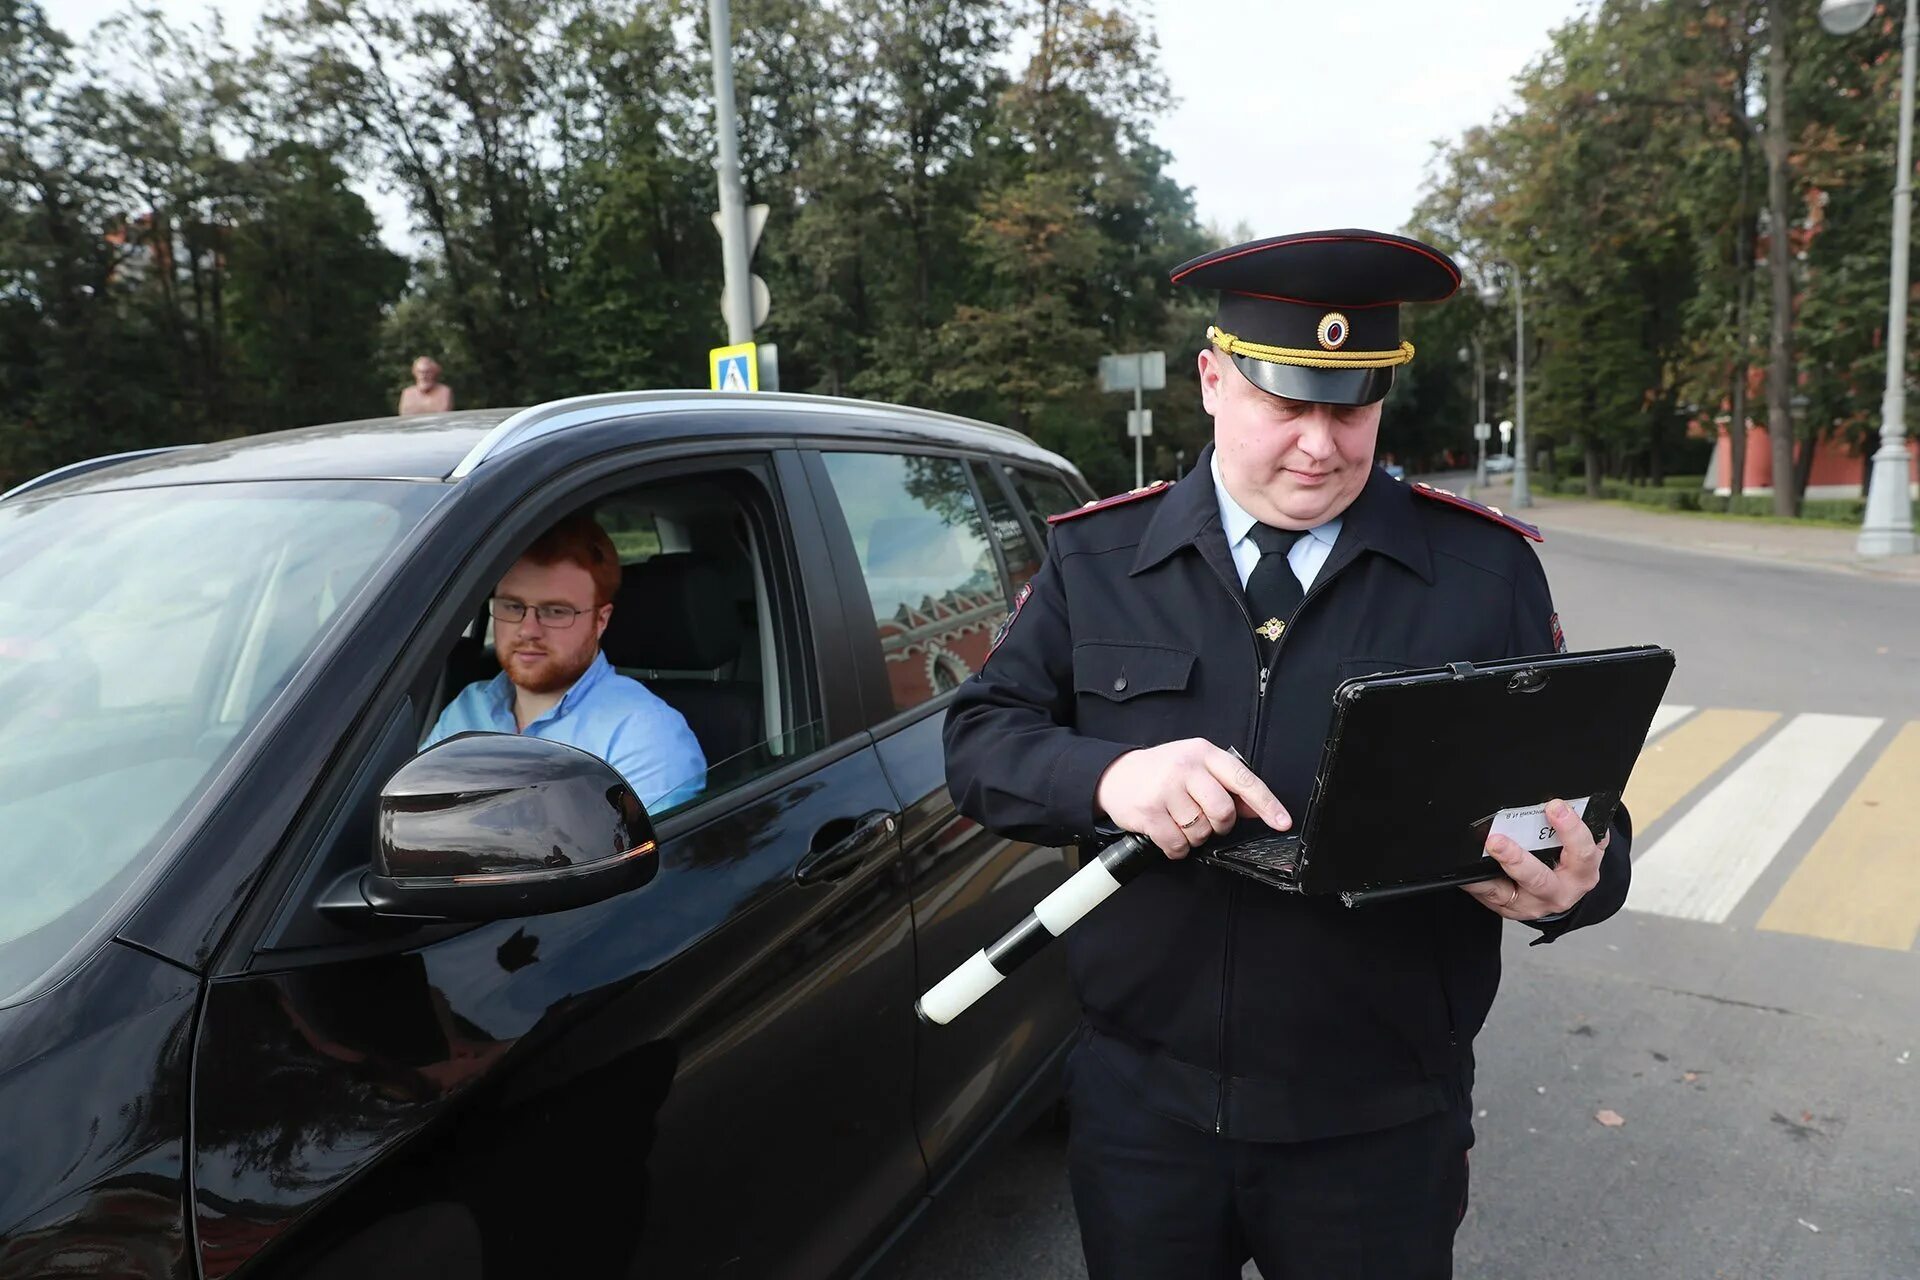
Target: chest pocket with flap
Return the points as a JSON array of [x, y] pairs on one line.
[[1119, 671]]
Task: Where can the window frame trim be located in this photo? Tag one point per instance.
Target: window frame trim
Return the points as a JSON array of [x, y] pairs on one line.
[[1036, 523], [411, 675], [862, 630]]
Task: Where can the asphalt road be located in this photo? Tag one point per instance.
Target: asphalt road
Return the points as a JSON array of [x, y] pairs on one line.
[[1753, 1017]]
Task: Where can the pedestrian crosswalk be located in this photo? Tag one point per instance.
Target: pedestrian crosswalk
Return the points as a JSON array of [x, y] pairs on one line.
[[1720, 795]]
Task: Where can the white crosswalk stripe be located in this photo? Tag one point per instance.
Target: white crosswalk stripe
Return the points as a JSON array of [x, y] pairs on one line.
[[1668, 715], [1705, 863]]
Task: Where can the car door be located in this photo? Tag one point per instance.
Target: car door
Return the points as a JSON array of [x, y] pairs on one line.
[[909, 526], [706, 1076]]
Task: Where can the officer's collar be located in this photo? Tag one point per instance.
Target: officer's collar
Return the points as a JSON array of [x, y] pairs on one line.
[[1380, 519]]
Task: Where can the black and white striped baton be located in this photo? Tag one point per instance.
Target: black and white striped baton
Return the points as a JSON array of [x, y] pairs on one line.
[[1058, 912]]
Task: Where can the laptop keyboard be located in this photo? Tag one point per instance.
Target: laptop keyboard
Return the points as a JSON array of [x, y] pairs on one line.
[[1277, 854]]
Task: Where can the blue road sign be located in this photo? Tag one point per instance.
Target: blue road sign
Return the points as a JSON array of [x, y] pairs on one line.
[[735, 368]]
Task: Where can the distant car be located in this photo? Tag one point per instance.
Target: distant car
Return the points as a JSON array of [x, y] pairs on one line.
[[283, 995], [1394, 469], [1499, 464]]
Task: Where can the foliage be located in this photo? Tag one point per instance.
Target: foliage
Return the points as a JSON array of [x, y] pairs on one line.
[[1687, 494], [1626, 190], [967, 211]]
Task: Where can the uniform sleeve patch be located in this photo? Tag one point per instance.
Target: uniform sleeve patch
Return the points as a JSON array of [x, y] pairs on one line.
[[1006, 624], [1559, 636]]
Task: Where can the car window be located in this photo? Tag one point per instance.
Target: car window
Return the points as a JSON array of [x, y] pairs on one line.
[[1016, 548], [141, 634], [1042, 495], [928, 565], [704, 621]]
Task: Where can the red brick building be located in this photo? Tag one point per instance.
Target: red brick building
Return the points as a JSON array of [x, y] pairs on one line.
[[933, 647], [1837, 470]]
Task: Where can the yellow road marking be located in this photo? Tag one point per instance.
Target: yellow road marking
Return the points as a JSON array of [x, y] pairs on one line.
[[1861, 881], [1677, 762]]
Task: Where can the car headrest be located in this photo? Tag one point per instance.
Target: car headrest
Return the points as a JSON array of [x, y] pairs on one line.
[[673, 613]]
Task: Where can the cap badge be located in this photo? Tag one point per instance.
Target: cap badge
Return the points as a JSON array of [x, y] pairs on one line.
[[1333, 331]]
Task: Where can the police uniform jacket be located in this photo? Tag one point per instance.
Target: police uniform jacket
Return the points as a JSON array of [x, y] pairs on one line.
[[1229, 1005]]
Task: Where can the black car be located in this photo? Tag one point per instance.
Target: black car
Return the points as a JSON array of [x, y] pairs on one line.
[[283, 995]]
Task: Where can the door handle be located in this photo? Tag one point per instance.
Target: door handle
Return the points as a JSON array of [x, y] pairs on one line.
[[843, 844]]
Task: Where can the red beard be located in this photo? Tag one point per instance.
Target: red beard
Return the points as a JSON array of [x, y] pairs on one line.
[[550, 672]]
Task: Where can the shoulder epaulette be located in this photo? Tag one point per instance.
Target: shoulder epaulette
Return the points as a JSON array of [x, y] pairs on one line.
[[1494, 514], [1101, 504]]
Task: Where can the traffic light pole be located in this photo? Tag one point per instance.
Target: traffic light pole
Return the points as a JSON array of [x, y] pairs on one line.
[[733, 204]]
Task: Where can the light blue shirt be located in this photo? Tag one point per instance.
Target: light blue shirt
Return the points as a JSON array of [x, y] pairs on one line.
[[1306, 557], [614, 716]]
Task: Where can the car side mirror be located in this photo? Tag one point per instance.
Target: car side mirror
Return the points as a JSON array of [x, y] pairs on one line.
[[489, 826]]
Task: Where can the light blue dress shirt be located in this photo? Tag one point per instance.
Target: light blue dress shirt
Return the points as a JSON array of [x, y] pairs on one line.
[[614, 716], [1306, 557]]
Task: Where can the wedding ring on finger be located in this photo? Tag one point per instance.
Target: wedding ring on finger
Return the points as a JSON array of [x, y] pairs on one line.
[[1512, 897]]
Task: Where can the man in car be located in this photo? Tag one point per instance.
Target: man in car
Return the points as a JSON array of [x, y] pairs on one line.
[[549, 613]]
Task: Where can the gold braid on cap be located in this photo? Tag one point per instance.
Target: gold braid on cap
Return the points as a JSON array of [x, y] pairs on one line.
[[1307, 358]]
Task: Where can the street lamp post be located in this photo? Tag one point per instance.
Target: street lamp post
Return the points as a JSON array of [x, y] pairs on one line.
[[1888, 527], [1522, 495], [1479, 412]]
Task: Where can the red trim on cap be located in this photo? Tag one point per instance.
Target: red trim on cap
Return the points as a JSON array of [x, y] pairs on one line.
[[1309, 302], [1158, 486], [1424, 252], [1426, 490]]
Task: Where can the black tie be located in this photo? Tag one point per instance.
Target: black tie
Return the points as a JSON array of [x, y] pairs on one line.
[[1273, 593]]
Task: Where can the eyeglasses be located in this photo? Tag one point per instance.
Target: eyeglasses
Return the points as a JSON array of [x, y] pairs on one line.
[[557, 616]]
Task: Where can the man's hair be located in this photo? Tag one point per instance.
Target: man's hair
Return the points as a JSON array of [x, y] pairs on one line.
[[580, 540]]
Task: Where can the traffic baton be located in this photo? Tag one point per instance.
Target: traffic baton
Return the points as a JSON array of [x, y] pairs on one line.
[[1058, 912]]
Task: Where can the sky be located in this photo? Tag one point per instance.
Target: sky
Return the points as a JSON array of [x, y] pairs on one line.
[[1293, 115]]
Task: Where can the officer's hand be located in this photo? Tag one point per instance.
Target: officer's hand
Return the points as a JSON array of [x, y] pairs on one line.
[[1531, 888], [1182, 794]]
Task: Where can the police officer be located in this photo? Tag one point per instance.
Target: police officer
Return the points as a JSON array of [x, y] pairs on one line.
[[1259, 1073]]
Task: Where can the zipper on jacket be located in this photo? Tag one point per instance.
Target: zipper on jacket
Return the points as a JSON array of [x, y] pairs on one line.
[[1226, 1000], [1233, 888]]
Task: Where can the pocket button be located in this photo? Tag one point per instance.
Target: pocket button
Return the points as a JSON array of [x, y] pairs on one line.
[[1120, 684]]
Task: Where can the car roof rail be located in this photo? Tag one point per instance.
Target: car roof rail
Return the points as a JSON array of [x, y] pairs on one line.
[[539, 420], [80, 468]]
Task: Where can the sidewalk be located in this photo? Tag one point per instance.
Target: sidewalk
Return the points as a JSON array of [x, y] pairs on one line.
[[1811, 546]]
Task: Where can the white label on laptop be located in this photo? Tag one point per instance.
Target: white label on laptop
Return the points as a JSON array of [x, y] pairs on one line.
[[1529, 827]]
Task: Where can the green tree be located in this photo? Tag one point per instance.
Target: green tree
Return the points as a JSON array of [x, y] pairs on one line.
[[310, 282]]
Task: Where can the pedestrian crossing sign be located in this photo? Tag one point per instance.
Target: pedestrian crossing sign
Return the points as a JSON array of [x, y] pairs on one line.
[[735, 368]]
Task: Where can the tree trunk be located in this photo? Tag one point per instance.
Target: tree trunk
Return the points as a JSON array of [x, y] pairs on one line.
[[1743, 234], [1803, 466], [1593, 467], [1780, 370]]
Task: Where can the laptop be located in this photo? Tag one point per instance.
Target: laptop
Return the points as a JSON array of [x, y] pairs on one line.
[[1421, 767]]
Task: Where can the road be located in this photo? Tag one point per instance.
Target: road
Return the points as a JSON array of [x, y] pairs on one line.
[[1753, 1016]]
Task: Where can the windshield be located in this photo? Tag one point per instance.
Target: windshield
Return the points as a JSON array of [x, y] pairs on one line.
[[141, 633]]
